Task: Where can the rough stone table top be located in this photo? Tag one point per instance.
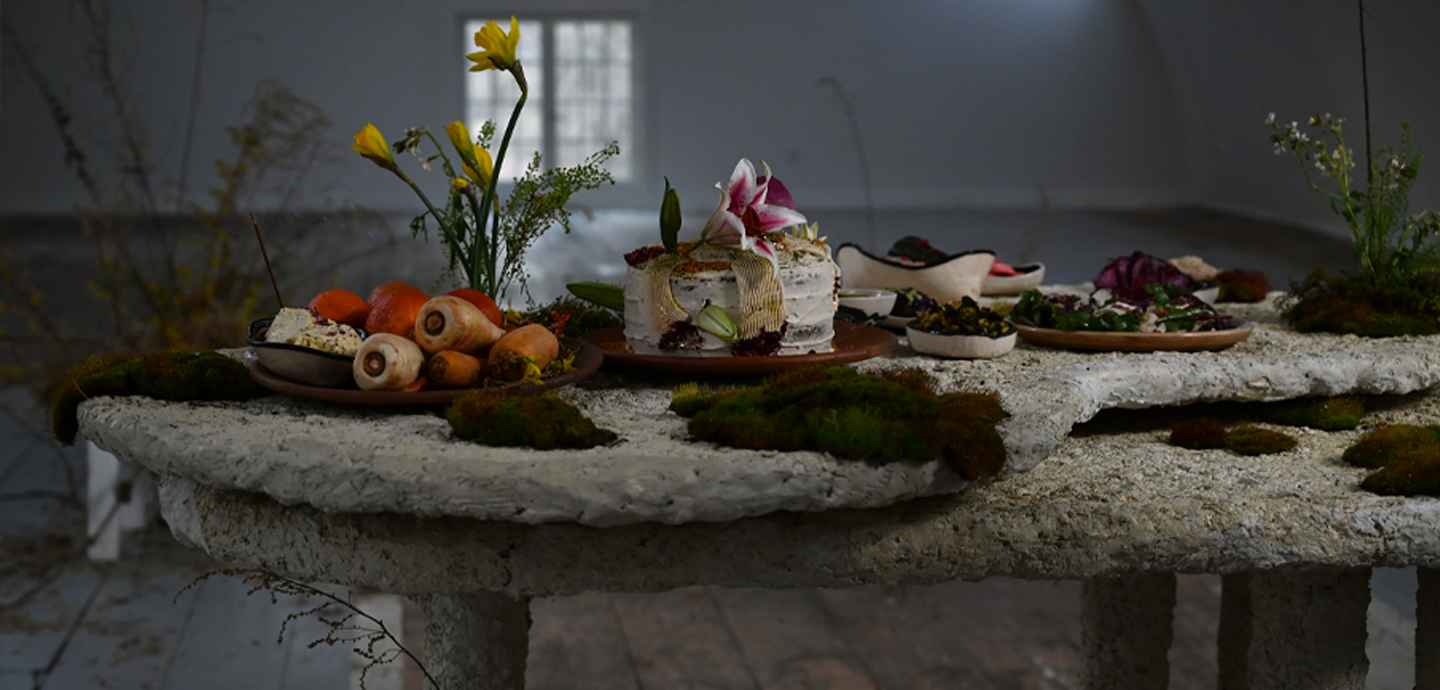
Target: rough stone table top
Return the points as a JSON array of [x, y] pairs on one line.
[[354, 459], [1114, 499]]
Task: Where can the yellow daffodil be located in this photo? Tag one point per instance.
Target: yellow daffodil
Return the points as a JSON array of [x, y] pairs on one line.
[[474, 160], [481, 174], [459, 184], [371, 144], [498, 47]]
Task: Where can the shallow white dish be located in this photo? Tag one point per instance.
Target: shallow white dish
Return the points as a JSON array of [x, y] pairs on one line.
[[864, 306], [1030, 276], [960, 346], [301, 364], [958, 276]]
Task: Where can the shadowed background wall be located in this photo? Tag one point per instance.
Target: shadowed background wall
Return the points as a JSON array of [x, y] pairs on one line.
[[962, 103]]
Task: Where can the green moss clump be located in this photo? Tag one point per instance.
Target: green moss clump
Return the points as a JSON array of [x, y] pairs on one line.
[[1252, 440], [1242, 285], [1349, 304], [1412, 473], [537, 420], [1379, 447], [690, 399], [1330, 414], [172, 376], [910, 378], [1198, 434], [859, 416]]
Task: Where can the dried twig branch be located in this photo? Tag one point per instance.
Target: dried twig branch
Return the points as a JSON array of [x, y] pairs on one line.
[[352, 626]]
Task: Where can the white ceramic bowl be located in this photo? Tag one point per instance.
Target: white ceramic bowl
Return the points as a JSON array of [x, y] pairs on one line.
[[958, 276], [960, 346], [864, 306], [301, 364], [998, 286]]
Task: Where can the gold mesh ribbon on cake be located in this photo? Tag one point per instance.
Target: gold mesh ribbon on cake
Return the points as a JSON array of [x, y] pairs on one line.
[[657, 286], [762, 300]]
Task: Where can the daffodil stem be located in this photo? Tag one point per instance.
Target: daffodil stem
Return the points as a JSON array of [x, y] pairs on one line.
[[468, 260], [450, 237], [492, 280]]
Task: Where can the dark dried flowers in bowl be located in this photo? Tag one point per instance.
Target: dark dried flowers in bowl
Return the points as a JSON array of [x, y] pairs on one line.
[[962, 330]]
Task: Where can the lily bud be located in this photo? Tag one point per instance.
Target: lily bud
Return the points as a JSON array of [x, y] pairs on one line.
[[807, 231], [670, 218], [713, 319]]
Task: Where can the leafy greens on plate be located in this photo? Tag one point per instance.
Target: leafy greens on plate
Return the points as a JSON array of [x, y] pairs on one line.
[[1165, 308]]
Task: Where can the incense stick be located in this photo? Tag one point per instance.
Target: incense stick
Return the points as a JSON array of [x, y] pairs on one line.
[[266, 256]]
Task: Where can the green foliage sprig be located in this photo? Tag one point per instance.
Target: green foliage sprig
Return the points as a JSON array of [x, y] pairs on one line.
[[1392, 248]]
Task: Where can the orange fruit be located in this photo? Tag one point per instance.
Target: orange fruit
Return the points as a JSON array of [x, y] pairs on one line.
[[389, 288], [394, 307], [341, 305], [482, 301]]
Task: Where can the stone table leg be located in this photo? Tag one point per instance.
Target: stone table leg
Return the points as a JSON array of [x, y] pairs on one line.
[[477, 641], [1427, 629], [1308, 629], [1125, 632], [1232, 645]]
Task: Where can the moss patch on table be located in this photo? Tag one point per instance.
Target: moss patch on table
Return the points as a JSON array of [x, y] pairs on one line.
[[883, 417]]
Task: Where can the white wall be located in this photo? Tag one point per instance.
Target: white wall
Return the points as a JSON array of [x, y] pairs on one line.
[[1234, 61], [962, 102]]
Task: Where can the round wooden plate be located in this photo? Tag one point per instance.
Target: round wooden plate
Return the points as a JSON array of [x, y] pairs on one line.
[[587, 361], [1120, 341], [852, 343]]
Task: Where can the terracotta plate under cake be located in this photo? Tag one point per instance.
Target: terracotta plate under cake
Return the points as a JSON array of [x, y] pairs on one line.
[[852, 343]]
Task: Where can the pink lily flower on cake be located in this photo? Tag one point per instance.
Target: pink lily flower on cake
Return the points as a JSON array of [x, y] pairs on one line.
[[750, 207]]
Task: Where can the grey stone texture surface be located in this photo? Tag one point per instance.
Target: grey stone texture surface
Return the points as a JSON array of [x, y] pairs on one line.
[[1308, 629], [1125, 631], [476, 641], [1105, 504], [355, 459]]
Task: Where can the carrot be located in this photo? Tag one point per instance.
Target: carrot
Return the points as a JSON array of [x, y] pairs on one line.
[[451, 369], [523, 353], [452, 323]]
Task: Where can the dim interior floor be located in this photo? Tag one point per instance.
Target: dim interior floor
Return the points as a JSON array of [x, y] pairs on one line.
[[66, 622]]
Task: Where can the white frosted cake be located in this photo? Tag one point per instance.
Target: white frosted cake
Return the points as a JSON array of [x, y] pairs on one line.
[[800, 318]]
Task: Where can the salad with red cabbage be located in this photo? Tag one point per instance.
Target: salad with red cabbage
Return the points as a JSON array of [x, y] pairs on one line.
[[1164, 308], [1129, 277]]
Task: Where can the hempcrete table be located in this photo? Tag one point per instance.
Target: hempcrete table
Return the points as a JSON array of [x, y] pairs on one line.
[[386, 499]]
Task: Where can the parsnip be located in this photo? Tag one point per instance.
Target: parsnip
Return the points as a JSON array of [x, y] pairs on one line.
[[387, 362], [451, 323]]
